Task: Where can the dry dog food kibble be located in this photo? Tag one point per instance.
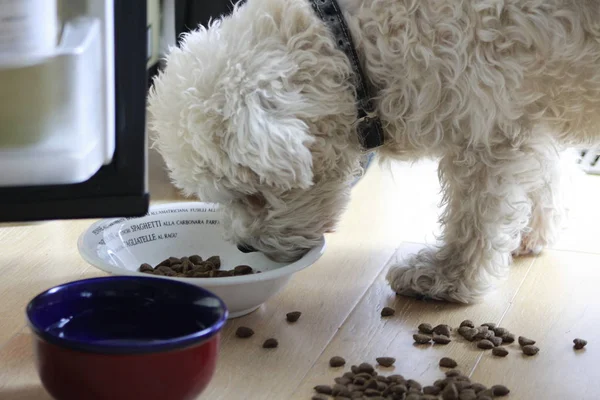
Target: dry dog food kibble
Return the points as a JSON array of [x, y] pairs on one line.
[[194, 267], [195, 259], [293, 316], [499, 351], [441, 339], [447, 362], [336, 362], [485, 344], [496, 340], [270, 343], [387, 312], [500, 331], [462, 331], [530, 350], [340, 390], [421, 339], [467, 394], [450, 392], [487, 394], [323, 389], [579, 344], [489, 336], [432, 390], [163, 271], [215, 261], [146, 268], [523, 341], [508, 338], [366, 368], [500, 390], [343, 380], [483, 332], [478, 387], [468, 323], [244, 332], [442, 329], [425, 328], [470, 334], [386, 361], [412, 384], [243, 270]]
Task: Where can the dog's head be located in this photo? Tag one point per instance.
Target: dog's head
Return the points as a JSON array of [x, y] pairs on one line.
[[255, 112]]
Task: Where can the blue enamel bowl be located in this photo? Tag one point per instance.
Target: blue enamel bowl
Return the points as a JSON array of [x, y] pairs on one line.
[[126, 337]]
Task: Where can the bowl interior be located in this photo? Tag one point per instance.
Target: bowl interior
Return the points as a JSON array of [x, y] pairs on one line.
[[126, 314], [168, 230]]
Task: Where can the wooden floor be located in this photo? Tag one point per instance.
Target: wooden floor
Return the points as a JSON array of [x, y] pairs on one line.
[[552, 299]]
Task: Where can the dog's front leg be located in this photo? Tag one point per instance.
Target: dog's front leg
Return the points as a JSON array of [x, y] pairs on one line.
[[487, 209]]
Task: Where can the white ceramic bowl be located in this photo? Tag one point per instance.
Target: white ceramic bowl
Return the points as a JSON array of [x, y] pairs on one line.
[[119, 246]]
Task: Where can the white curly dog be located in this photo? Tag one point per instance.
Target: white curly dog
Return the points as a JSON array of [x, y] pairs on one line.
[[258, 112]]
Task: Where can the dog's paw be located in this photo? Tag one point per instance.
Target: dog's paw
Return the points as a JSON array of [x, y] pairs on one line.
[[420, 277], [529, 247]]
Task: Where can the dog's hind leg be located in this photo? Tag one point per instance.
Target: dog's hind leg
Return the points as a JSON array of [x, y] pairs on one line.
[[488, 207], [549, 210]]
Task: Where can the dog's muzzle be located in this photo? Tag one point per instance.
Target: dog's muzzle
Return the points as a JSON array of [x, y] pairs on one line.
[[244, 248]]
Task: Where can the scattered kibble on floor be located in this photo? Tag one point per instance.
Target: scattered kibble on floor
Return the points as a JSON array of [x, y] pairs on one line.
[[386, 361], [293, 316], [271, 343], [337, 361], [530, 350], [363, 382], [500, 351], [579, 344], [421, 338], [244, 332], [441, 339], [523, 341], [387, 312], [447, 362], [425, 328]]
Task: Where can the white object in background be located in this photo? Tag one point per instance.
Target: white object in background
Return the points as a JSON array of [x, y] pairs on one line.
[[57, 113], [168, 37], [104, 11], [66, 112], [589, 161], [120, 246], [27, 28], [153, 31]]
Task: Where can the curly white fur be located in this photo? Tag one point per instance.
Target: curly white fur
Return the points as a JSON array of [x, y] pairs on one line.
[[257, 112]]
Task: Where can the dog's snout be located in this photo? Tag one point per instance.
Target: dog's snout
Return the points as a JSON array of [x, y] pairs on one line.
[[244, 248]]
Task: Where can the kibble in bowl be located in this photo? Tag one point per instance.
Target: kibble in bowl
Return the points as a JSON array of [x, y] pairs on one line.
[[184, 267], [188, 232]]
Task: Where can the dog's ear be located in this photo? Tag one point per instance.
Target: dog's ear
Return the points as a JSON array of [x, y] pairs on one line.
[[272, 143]]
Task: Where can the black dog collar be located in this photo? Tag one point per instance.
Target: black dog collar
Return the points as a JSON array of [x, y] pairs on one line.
[[368, 123]]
